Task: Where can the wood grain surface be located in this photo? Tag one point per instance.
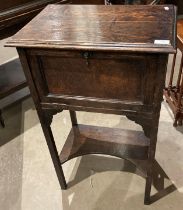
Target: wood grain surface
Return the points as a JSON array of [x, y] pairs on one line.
[[131, 28], [84, 140]]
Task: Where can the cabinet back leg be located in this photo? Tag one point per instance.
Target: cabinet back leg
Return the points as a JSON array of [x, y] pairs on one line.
[[1, 119]]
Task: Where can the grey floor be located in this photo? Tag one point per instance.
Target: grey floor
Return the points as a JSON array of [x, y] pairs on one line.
[[28, 180]]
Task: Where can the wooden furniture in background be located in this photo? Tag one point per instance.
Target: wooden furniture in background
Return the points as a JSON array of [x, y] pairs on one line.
[[14, 14], [13, 85], [174, 92], [98, 59]]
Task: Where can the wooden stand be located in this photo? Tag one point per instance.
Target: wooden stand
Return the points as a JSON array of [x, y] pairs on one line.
[[105, 65]]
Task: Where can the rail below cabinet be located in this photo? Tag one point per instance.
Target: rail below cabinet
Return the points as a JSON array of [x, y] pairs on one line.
[[105, 59]]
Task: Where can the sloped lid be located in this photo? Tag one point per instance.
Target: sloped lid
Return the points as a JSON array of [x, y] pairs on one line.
[[142, 28]]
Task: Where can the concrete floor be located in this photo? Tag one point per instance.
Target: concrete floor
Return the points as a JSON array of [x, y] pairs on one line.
[[28, 180]]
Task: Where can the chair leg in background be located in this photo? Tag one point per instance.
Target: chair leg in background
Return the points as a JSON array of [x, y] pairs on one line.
[[2, 120]]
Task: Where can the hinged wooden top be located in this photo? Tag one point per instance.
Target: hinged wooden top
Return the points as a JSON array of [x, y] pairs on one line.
[[100, 27]]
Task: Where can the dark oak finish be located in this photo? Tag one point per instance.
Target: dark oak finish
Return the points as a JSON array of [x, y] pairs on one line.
[[99, 59], [79, 37]]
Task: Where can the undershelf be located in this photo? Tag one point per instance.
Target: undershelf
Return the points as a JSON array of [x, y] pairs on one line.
[[84, 139]]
